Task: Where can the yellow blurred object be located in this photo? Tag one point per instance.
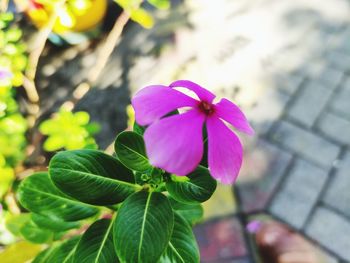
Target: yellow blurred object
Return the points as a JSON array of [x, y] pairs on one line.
[[20, 252], [142, 17], [131, 116], [73, 16]]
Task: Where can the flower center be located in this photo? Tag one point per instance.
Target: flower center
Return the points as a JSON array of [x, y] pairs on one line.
[[206, 107]]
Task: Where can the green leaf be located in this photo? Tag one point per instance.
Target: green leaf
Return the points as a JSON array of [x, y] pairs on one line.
[[193, 213], [54, 224], [13, 35], [197, 189], [31, 232], [139, 129], [43, 255], [59, 253], [14, 223], [96, 245], [142, 17], [182, 246], [38, 194], [160, 4], [131, 151], [92, 177], [129, 4], [143, 227]]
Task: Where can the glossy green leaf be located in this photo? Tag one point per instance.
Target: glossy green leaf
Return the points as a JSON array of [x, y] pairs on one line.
[[92, 177], [96, 245], [139, 129], [131, 151], [143, 227], [193, 213], [52, 223], [38, 194], [43, 255], [59, 253], [160, 4], [182, 246], [197, 189], [31, 232]]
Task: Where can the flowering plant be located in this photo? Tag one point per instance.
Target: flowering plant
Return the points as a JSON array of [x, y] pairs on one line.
[[143, 201]]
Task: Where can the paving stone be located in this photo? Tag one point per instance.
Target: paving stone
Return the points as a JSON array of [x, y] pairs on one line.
[[340, 41], [330, 230], [310, 103], [335, 127], [288, 83], [263, 168], [267, 110], [340, 103], [299, 193], [329, 76], [339, 59], [320, 70], [337, 194], [310, 146], [220, 240]]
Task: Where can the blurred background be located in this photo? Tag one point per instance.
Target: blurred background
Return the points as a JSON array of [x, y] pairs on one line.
[[66, 79]]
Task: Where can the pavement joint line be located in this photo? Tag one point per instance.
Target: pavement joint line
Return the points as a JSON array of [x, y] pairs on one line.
[[322, 134], [288, 105], [327, 107], [339, 114], [243, 219], [321, 194], [284, 148], [282, 181], [300, 126], [334, 210]]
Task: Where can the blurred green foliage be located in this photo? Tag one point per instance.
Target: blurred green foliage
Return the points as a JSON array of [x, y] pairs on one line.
[[13, 59], [68, 130], [13, 126]]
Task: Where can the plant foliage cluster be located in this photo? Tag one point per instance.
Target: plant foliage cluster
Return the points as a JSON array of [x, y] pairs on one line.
[[13, 126], [132, 211]]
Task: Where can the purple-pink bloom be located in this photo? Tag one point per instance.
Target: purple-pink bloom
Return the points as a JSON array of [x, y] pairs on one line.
[[254, 226], [175, 143]]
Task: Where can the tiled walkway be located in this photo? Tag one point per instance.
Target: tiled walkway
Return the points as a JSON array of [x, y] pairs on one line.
[[287, 63]]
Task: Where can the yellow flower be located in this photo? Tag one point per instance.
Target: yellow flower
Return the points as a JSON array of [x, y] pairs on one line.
[[73, 16]]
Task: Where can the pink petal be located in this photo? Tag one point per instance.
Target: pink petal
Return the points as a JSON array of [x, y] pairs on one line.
[[175, 143], [202, 93], [224, 151], [229, 112], [153, 102]]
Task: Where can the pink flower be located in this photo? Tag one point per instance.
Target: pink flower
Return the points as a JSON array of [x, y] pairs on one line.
[[175, 143]]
